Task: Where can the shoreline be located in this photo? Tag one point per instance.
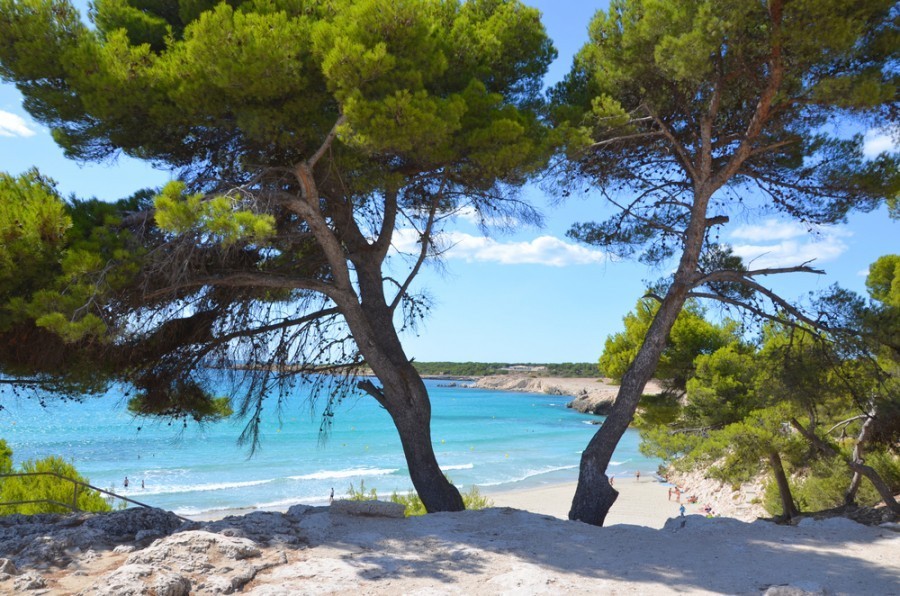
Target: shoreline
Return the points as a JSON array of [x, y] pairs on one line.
[[644, 503]]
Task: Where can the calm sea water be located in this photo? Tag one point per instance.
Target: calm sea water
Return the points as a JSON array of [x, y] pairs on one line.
[[495, 440]]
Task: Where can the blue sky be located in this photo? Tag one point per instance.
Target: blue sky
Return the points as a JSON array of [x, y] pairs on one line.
[[530, 296]]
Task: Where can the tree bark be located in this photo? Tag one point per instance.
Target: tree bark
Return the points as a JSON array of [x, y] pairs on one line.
[[403, 393], [850, 495], [789, 510], [414, 426], [594, 496], [405, 398]]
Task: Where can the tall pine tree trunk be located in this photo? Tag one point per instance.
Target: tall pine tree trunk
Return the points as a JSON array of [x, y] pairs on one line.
[[789, 510], [403, 393], [405, 397], [594, 496]]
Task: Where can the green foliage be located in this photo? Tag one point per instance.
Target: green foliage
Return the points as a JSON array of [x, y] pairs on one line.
[[219, 217], [360, 494], [690, 337], [190, 400], [472, 499], [657, 410], [401, 110], [883, 281], [722, 390], [33, 227], [738, 451], [44, 487], [709, 104], [825, 482]]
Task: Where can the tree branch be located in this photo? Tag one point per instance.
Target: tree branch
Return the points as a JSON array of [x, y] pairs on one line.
[[763, 314], [244, 280], [731, 275], [763, 106], [425, 239], [326, 144], [682, 153], [614, 140], [370, 388], [845, 423]]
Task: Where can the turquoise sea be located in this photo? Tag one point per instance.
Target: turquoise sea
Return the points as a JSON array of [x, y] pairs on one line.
[[495, 440]]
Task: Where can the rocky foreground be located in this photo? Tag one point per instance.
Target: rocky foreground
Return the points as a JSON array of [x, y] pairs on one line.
[[365, 549], [591, 395]]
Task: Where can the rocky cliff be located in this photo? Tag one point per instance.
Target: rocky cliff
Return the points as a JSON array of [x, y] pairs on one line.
[[590, 395]]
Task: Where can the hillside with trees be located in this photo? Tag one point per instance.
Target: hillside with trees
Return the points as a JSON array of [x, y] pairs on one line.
[[481, 369], [818, 416]]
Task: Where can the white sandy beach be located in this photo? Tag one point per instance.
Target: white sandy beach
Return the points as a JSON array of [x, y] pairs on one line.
[[643, 503]]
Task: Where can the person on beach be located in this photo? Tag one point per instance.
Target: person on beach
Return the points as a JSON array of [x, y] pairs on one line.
[[125, 484], [331, 496], [678, 494], [681, 510], [637, 476], [142, 483], [612, 480], [670, 493]]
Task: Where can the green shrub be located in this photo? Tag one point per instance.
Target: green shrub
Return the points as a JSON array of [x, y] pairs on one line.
[[361, 495], [47, 488], [473, 499]]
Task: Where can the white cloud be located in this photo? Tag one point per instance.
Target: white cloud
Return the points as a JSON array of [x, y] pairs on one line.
[[879, 140], [543, 250], [863, 272], [769, 231], [471, 215], [12, 125], [786, 244]]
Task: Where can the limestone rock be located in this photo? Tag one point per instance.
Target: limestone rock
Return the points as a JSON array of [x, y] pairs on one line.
[[30, 581], [7, 567], [590, 395], [139, 580], [368, 508], [800, 588], [265, 527], [51, 539], [127, 524]]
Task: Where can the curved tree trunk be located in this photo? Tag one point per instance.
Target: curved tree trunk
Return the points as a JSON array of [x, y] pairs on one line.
[[789, 510], [594, 496], [414, 426], [403, 393], [850, 495]]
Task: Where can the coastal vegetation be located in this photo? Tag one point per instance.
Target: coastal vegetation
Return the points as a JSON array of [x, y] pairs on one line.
[[309, 140], [683, 114], [473, 499], [819, 415], [48, 492]]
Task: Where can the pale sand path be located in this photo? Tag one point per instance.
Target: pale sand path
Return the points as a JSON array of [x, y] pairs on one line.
[[643, 503]]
